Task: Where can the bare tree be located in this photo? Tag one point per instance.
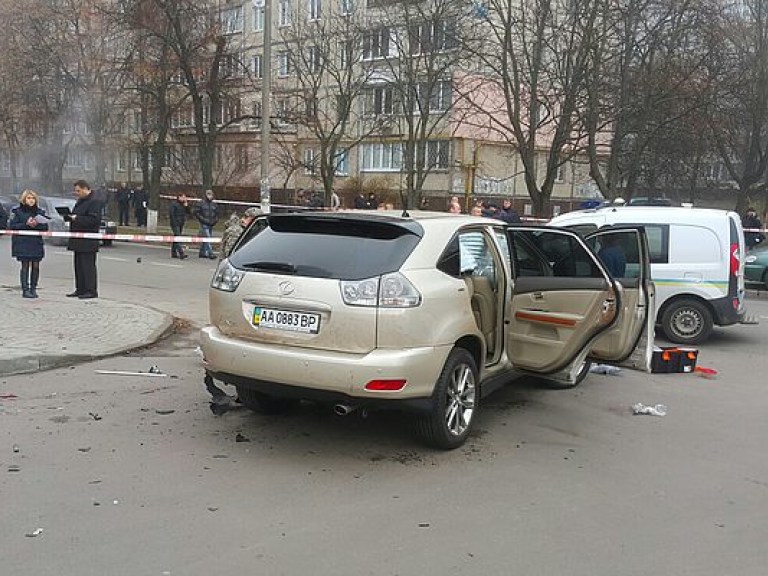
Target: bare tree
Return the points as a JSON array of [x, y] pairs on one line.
[[647, 83], [324, 46], [739, 115], [210, 65], [538, 59], [413, 56]]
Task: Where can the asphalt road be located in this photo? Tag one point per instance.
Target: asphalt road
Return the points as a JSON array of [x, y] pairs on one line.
[[552, 482]]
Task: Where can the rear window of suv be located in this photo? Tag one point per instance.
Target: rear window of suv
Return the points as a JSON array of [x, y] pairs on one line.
[[327, 247]]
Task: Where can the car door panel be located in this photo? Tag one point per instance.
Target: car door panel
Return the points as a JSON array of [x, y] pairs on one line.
[[554, 315], [631, 337]]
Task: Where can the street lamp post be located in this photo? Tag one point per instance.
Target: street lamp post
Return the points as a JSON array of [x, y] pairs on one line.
[[266, 89]]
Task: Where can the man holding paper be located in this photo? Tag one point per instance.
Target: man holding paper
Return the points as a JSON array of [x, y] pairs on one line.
[[84, 217]]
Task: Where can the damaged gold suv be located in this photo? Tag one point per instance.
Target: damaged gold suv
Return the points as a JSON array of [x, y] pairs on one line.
[[428, 312]]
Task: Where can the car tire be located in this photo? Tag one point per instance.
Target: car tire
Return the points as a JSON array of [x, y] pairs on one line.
[[264, 403], [686, 321], [454, 403], [765, 279], [107, 242]]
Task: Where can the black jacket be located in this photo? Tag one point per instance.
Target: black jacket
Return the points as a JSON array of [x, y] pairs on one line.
[[124, 196], [88, 219], [207, 212], [27, 247], [177, 214]]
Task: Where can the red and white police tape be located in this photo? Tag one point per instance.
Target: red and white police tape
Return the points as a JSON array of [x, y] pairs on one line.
[[123, 237]]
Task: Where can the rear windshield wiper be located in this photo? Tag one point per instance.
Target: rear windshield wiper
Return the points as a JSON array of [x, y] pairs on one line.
[[285, 267]]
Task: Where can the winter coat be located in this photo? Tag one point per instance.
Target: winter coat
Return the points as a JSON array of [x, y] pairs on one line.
[[124, 196], [3, 218], [88, 219], [231, 235], [140, 199], [27, 248], [207, 212], [177, 215]]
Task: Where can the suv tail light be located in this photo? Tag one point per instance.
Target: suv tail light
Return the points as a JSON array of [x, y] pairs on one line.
[[388, 291], [227, 277]]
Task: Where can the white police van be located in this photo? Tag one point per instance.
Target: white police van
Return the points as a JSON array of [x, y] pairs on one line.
[[697, 263]]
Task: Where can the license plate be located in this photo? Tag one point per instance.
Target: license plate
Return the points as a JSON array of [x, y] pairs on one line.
[[286, 320]]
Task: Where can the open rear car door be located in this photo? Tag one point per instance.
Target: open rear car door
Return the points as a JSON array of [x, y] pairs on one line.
[[564, 301]]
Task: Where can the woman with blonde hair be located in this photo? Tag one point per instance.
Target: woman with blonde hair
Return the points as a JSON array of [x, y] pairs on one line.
[[28, 250]]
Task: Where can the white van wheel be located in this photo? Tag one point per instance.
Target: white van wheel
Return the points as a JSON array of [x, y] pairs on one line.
[[686, 321]]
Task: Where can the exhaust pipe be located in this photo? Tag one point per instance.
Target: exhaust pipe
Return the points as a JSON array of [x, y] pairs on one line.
[[344, 409]]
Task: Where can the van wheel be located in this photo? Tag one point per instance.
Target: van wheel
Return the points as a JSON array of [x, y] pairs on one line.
[[454, 403], [264, 403], [765, 279], [686, 321]]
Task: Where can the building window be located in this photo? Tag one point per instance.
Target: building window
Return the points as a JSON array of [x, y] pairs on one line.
[[122, 161], [228, 112], [75, 158], [136, 160], [346, 54], [258, 18], [347, 7], [376, 43], [283, 64], [310, 161], [342, 162], [257, 71], [284, 13], [229, 66], [241, 157], [311, 107], [437, 154], [314, 59], [439, 97], [283, 111], [314, 9], [427, 37], [231, 20], [256, 111], [88, 161], [379, 101], [560, 176], [381, 157]]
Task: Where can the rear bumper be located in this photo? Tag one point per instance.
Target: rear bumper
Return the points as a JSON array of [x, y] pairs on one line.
[[724, 312], [308, 373]]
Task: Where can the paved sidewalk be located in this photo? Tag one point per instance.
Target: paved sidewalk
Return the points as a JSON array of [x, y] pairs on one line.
[[54, 330]]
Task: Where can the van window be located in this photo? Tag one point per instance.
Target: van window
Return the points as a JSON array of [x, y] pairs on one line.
[[658, 242], [694, 244]]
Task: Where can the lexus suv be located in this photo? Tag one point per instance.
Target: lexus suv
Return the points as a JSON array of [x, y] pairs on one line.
[[428, 312]]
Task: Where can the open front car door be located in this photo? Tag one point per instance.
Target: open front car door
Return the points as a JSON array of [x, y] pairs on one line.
[[564, 301], [624, 252]]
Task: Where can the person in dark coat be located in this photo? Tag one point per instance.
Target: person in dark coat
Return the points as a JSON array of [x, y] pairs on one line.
[[177, 215], [751, 222], [207, 213], [85, 217], [28, 250], [124, 201], [140, 199], [3, 218], [508, 214]]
